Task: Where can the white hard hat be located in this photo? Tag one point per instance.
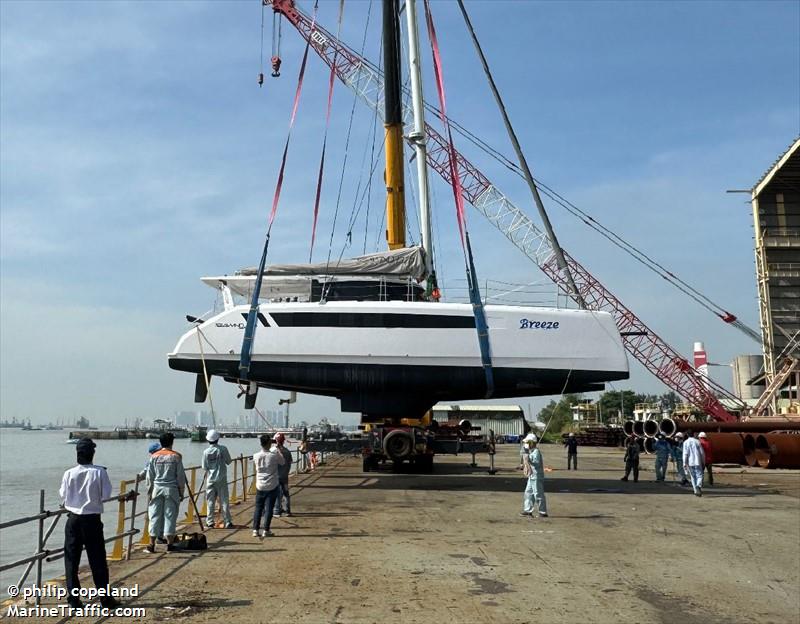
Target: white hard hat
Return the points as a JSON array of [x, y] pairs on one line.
[[679, 435], [212, 435], [571, 435], [531, 437], [702, 434]]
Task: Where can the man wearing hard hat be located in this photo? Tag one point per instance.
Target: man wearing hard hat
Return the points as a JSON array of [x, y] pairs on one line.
[[215, 462], [534, 470]]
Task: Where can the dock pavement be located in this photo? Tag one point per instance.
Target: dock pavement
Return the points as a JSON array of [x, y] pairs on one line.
[[451, 547]]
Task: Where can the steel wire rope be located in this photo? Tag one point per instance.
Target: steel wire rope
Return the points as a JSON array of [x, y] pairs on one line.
[[369, 179]]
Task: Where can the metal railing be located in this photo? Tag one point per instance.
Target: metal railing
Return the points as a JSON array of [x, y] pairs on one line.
[[244, 477]]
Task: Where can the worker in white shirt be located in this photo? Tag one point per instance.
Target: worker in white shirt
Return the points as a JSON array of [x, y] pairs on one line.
[[694, 462], [267, 462], [83, 490], [216, 459]]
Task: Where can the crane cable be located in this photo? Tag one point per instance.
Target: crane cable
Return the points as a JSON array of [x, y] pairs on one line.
[[331, 79], [250, 327], [478, 311]]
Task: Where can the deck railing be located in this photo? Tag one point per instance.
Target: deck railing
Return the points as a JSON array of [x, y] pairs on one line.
[[242, 485]]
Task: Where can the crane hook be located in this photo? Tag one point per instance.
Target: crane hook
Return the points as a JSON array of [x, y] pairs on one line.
[[276, 66]]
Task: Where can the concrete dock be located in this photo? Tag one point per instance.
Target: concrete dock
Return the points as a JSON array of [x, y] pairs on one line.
[[451, 547]]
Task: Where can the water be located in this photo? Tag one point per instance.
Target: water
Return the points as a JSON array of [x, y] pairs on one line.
[[34, 460]]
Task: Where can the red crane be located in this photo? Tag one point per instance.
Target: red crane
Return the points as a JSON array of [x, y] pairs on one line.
[[669, 366]]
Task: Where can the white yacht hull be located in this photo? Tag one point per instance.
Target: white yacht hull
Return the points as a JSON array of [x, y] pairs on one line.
[[396, 357]]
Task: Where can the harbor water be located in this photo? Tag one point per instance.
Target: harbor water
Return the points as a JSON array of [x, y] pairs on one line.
[[35, 460]]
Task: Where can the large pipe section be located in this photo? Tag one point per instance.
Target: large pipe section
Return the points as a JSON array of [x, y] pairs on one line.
[[650, 428], [754, 425], [638, 428], [667, 427], [649, 445], [778, 450], [627, 427], [727, 448]]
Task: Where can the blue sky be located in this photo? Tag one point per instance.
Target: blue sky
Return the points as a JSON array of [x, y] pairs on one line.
[[138, 153]]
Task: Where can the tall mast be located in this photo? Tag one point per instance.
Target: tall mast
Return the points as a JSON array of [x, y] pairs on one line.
[[417, 136], [393, 124]]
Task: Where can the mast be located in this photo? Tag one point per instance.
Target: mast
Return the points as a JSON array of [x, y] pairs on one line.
[[393, 124], [417, 135]]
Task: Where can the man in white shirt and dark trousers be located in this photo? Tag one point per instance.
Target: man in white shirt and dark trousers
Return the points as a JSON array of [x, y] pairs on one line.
[[694, 462], [267, 462], [83, 489]]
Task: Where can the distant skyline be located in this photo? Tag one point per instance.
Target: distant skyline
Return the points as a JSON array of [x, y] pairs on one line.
[[137, 154]]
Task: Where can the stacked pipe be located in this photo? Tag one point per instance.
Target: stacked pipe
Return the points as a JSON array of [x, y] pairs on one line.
[[761, 442], [598, 435]]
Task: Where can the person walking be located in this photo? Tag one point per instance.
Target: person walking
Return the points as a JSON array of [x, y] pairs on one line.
[[267, 461], [166, 482], [709, 455], [662, 449], [216, 460], [632, 459], [283, 478], [677, 457], [534, 470], [83, 490], [694, 462], [572, 451]]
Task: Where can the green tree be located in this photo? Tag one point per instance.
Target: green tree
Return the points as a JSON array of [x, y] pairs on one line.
[[611, 402], [558, 414]]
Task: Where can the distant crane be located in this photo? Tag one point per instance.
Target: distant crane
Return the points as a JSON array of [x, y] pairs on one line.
[[669, 366]]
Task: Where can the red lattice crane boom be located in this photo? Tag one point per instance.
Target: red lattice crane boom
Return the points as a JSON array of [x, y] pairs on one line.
[[669, 366]]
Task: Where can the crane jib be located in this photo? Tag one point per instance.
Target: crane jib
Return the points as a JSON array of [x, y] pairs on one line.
[[649, 349]]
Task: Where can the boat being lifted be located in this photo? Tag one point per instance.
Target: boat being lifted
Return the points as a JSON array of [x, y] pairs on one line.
[[369, 338]]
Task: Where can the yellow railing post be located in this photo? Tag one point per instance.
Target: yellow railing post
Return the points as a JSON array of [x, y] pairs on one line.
[[234, 494], [253, 481], [244, 478], [190, 507], [146, 530], [116, 553]]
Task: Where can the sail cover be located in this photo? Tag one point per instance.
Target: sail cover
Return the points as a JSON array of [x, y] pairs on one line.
[[406, 262]]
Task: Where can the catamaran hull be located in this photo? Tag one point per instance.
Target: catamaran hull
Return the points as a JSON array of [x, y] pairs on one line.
[[391, 359]]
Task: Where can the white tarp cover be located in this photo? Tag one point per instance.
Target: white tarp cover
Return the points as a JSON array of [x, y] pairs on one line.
[[406, 262]]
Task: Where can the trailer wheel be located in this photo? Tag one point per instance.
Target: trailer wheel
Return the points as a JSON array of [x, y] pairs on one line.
[[368, 464]]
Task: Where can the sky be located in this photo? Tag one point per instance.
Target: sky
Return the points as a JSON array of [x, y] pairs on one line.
[[138, 153]]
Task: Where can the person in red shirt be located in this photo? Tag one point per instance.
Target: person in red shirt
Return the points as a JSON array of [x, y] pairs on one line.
[[706, 444]]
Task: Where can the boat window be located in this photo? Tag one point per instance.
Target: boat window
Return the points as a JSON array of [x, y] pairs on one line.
[[351, 319]]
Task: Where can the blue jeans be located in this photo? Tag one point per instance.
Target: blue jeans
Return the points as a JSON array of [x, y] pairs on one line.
[[534, 493], [265, 502], [283, 492], [696, 477], [661, 467]]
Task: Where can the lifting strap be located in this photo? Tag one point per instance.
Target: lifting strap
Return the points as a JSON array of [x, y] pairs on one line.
[[250, 327], [325, 137], [478, 311]]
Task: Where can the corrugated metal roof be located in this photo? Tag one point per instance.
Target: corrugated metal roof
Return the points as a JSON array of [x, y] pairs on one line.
[[788, 169], [476, 408]]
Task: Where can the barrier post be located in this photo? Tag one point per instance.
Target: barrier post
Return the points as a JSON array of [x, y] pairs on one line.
[[40, 549], [146, 530], [253, 481], [244, 478], [190, 508], [133, 517], [116, 553], [235, 494]]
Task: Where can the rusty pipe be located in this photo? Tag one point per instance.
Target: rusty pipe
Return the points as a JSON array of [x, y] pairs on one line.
[[650, 428], [754, 425], [780, 450], [638, 428], [668, 427], [726, 448], [627, 427], [749, 446]]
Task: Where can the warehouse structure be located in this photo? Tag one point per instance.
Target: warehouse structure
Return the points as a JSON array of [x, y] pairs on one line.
[[505, 420], [776, 215]]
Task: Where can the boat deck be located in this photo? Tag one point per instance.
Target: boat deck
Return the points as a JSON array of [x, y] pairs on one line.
[[450, 547]]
